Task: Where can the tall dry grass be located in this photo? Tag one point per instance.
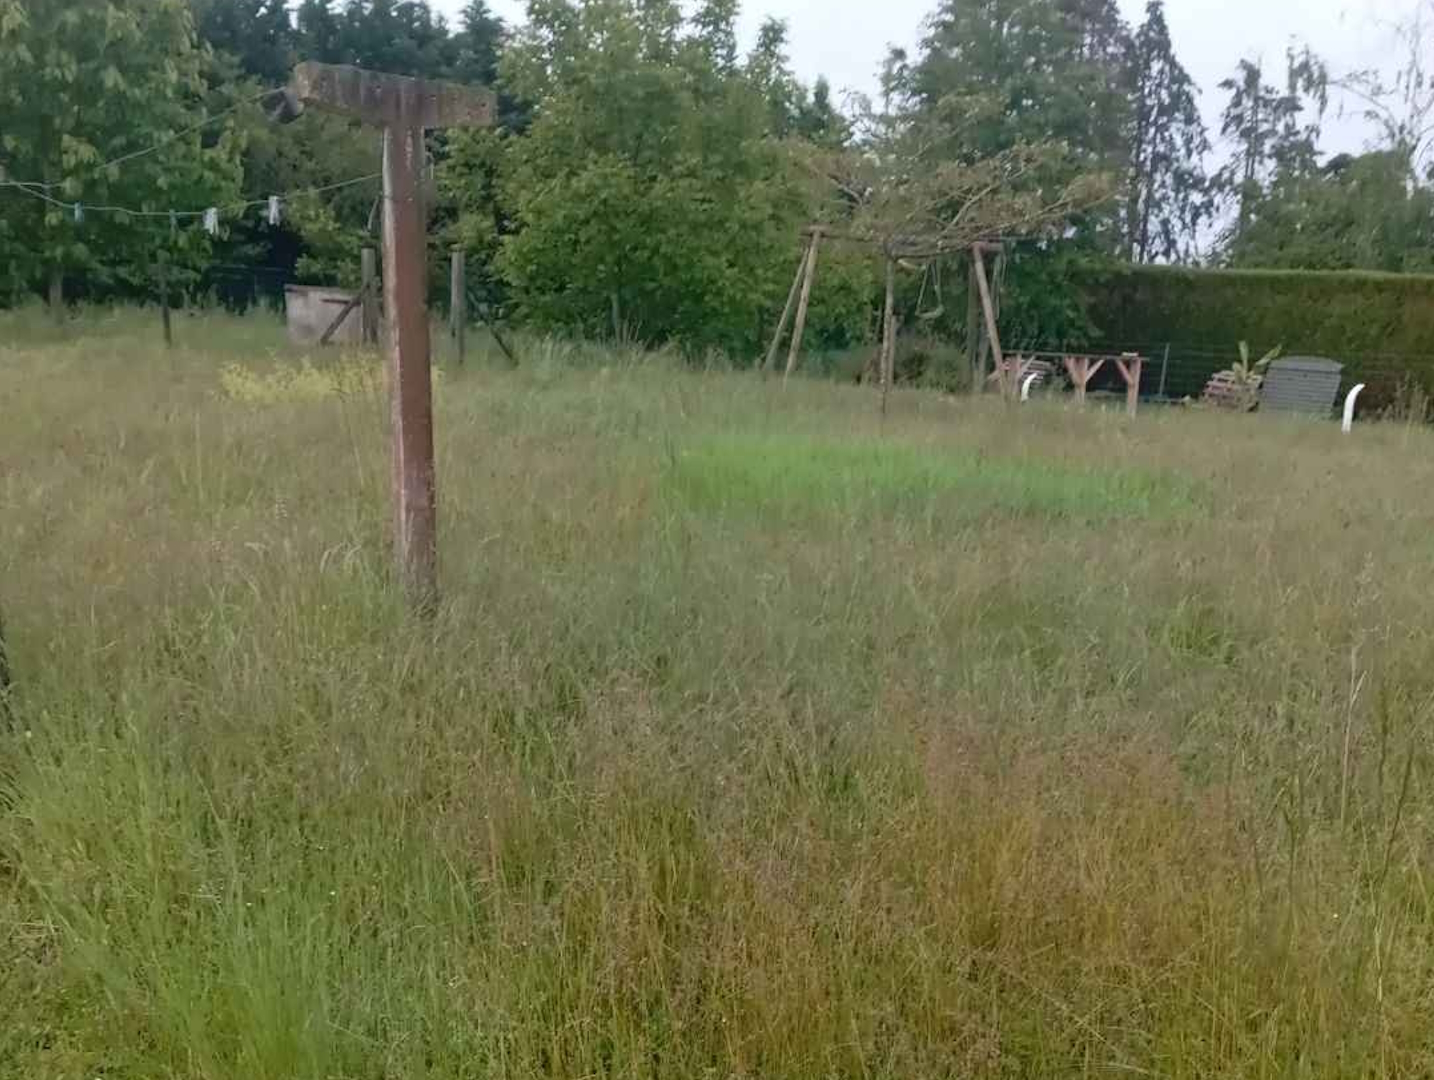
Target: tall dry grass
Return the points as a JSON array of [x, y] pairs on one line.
[[755, 738]]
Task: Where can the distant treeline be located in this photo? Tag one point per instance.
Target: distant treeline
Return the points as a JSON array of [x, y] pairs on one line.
[[648, 178]]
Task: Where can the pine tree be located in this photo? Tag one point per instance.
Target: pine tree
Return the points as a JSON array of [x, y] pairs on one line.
[[1275, 133], [818, 120], [1046, 70], [479, 43], [257, 34], [1167, 193], [319, 34], [769, 71]]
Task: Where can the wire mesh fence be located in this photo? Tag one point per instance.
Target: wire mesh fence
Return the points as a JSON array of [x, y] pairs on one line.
[[1176, 370]]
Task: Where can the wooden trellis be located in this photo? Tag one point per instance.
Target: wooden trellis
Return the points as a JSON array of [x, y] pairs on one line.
[[895, 250]]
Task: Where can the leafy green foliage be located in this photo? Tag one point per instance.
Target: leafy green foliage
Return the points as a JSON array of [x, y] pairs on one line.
[[646, 198], [84, 83], [647, 180], [1108, 110], [918, 185], [1353, 213], [1054, 68]]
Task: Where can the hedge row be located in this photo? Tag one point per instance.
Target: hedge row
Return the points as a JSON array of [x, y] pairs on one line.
[[1380, 326]]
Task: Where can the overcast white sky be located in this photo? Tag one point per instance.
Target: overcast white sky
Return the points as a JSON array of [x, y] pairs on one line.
[[846, 39]]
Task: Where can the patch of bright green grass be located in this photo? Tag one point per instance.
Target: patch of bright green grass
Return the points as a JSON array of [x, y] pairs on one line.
[[799, 477]]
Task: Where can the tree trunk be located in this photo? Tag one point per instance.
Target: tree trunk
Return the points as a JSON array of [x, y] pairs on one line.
[[57, 292]]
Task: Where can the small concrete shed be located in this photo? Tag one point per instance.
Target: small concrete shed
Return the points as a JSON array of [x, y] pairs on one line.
[[1306, 385], [310, 310]]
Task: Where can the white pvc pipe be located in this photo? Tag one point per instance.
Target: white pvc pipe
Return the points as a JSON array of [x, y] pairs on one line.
[[1026, 386], [1349, 408]]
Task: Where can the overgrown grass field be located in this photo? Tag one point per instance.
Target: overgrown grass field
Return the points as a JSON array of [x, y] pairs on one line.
[[757, 737]]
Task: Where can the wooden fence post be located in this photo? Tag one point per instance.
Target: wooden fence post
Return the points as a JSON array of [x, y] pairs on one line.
[[1131, 365], [973, 331], [164, 303], [988, 308], [57, 293], [369, 312], [457, 302]]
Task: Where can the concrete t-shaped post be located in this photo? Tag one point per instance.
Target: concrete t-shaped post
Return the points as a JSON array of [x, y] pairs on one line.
[[404, 108]]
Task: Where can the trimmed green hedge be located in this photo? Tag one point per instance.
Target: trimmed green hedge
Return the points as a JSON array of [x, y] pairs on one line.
[[1380, 326]]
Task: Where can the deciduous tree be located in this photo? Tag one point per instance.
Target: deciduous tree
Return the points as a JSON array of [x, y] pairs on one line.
[[84, 83]]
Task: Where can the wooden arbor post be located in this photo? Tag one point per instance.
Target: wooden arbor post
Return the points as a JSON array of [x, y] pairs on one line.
[[1081, 371], [809, 272], [404, 108], [988, 310], [1130, 366], [791, 306]]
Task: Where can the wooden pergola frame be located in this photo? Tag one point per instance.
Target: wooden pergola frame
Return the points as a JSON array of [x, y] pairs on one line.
[[1081, 367], [895, 249]]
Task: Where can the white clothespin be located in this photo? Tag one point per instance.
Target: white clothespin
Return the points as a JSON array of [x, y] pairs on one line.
[[173, 222], [79, 213], [211, 221], [275, 210]]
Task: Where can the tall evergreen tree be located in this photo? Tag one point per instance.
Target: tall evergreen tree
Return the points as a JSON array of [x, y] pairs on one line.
[[769, 71], [1050, 69], [1167, 194], [318, 32], [1026, 73], [400, 36], [1275, 133], [478, 44], [257, 34], [818, 120]]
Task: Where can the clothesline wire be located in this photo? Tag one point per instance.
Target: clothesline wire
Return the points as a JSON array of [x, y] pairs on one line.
[[239, 207], [156, 147], [42, 191]]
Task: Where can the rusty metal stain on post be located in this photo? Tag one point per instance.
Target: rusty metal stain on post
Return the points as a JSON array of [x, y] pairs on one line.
[[410, 377]]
